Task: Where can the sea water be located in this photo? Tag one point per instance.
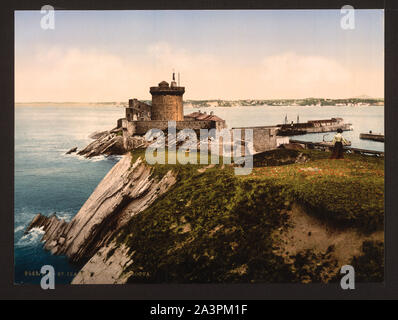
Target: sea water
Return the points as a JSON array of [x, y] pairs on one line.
[[48, 181], [363, 119]]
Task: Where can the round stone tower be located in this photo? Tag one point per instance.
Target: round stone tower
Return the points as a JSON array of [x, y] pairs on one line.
[[167, 102]]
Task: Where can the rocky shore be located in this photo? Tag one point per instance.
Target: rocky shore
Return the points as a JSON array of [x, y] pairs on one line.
[[107, 143], [125, 191], [197, 223]]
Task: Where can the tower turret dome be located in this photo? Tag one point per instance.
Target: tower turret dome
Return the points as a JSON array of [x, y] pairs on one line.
[[164, 84]]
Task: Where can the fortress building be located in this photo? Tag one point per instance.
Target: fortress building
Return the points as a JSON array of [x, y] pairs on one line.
[[167, 101], [167, 105]]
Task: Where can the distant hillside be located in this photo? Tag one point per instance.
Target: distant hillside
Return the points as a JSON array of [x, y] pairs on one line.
[[287, 102], [357, 101]]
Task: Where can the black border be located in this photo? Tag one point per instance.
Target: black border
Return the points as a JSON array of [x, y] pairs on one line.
[[388, 290]]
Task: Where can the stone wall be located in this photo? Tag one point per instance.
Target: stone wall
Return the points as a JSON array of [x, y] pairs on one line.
[[136, 104], [119, 123], [142, 127], [128, 131], [138, 110], [264, 138], [131, 128]]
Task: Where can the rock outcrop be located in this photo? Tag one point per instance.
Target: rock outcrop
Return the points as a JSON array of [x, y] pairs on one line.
[[105, 143], [98, 134], [107, 266], [71, 150], [126, 190]]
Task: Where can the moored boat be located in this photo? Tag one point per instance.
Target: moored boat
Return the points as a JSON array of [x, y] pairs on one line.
[[372, 136]]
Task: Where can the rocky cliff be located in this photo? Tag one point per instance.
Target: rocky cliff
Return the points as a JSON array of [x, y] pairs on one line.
[[126, 190], [285, 222], [107, 266]]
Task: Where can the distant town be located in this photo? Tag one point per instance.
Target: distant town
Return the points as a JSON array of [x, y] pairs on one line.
[[287, 102], [354, 102]]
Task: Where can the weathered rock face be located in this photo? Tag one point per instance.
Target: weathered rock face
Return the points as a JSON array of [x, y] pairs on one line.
[[71, 150], [125, 191], [106, 143], [107, 266], [98, 134]]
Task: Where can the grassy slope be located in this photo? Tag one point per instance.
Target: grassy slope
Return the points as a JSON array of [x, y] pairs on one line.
[[347, 192], [214, 226]]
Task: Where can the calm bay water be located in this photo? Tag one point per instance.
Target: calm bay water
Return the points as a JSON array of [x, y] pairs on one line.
[[363, 119], [48, 181]]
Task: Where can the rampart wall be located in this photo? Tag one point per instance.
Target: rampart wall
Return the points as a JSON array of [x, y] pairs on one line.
[[142, 127]]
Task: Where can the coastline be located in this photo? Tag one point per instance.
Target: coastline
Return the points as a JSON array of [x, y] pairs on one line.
[[139, 214], [377, 102], [65, 144]]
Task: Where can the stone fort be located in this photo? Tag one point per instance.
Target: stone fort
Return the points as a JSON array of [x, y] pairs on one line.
[[167, 105]]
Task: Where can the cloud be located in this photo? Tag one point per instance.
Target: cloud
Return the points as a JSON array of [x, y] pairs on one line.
[[292, 75], [73, 74]]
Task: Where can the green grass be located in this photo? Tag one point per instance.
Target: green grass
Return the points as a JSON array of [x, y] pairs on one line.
[[182, 170], [347, 192], [205, 227], [214, 226]]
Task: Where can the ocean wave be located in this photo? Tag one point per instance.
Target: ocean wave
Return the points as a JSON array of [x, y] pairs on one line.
[[24, 215], [115, 157], [19, 228], [24, 218], [32, 238], [63, 215], [93, 159]]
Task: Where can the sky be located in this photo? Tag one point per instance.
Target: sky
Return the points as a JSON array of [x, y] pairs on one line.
[[220, 54]]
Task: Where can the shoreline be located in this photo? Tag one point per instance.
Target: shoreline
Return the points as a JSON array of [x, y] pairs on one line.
[[125, 219], [188, 105]]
